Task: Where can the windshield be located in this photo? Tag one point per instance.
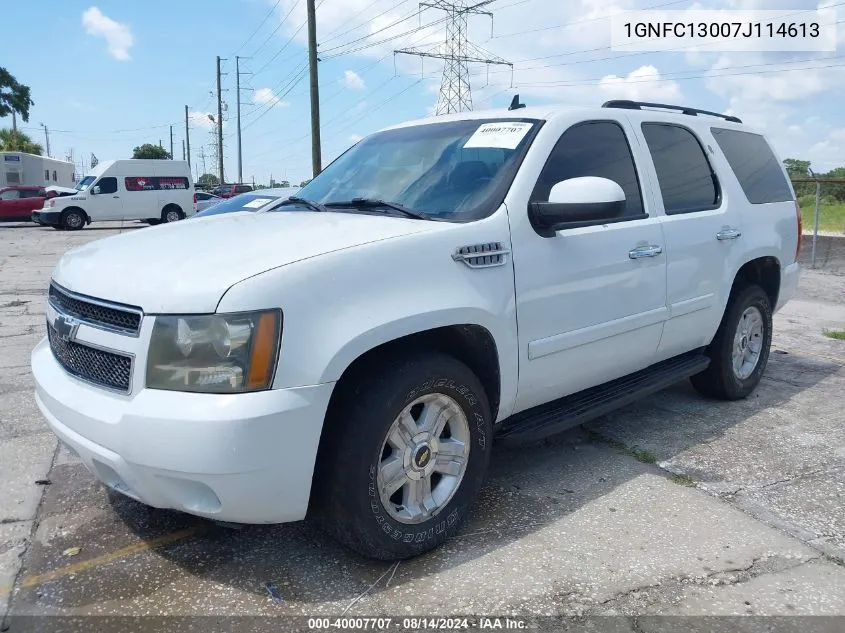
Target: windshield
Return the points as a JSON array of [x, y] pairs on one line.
[[456, 171], [83, 184], [243, 202]]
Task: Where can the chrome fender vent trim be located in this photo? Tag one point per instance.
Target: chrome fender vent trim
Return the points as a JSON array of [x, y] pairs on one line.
[[482, 255]]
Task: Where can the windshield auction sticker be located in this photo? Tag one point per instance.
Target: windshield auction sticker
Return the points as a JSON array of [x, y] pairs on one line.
[[258, 202], [504, 135]]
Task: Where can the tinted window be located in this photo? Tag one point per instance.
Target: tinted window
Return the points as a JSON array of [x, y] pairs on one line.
[[593, 149], [107, 185], [154, 183], [11, 194], [243, 188], [31, 193], [687, 183], [202, 196], [758, 171]]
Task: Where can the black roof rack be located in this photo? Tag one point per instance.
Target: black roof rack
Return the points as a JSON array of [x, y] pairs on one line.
[[639, 105]]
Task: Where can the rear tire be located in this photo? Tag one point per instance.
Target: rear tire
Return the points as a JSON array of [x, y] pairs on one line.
[[740, 350], [172, 213], [73, 219], [403, 456]]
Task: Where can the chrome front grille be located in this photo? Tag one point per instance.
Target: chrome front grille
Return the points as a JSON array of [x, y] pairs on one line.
[[113, 317], [93, 365]]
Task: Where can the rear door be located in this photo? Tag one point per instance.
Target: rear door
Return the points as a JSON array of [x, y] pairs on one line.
[[702, 228], [32, 200]]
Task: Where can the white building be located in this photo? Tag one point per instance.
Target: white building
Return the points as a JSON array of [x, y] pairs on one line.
[[19, 168]]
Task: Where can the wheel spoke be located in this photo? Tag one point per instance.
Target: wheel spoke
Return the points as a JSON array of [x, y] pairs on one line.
[[402, 431], [449, 464], [432, 417], [451, 448], [418, 497], [392, 475]]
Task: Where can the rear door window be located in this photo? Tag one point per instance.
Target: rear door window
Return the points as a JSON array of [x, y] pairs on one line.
[[687, 181], [758, 171]]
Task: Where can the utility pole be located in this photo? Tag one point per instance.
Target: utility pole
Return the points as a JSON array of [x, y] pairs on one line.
[[238, 74], [219, 124], [183, 153], [457, 53], [14, 122], [159, 144], [202, 158], [316, 160], [187, 136], [47, 139], [171, 142]]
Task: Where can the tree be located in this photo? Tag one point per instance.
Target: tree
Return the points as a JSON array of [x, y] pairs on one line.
[[304, 182], [797, 168], [18, 142], [148, 150], [14, 96], [208, 180]]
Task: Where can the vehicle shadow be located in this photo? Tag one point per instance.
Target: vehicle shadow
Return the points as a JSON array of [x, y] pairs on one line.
[[529, 489]]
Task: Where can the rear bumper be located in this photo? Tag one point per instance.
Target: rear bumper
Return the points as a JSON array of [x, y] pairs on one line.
[[46, 217], [788, 284]]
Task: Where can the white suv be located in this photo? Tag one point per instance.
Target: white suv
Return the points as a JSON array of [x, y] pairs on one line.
[[353, 353]]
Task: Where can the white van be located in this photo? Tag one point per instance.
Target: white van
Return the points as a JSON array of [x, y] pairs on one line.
[[150, 190]]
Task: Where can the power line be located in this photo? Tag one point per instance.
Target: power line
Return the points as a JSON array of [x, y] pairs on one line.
[[258, 28], [284, 20]]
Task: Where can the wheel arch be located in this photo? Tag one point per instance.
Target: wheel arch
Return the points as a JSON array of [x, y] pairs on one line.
[[763, 271]]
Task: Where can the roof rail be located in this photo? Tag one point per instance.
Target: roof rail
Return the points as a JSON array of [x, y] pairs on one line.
[[639, 105]]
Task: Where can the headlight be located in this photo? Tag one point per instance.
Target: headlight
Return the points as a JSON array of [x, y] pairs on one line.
[[215, 353]]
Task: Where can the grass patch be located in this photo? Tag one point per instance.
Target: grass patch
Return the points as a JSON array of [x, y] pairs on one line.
[[642, 455], [839, 335], [682, 480], [831, 217]]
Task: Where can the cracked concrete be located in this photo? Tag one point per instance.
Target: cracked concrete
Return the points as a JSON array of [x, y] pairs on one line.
[[574, 525]]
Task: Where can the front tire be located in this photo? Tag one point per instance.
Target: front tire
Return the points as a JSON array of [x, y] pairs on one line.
[[73, 220], [172, 213], [740, 350], [404, 456]]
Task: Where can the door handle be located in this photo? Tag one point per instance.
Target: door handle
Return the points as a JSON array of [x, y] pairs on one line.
[[728, 234], [645, 251], [115, 196]]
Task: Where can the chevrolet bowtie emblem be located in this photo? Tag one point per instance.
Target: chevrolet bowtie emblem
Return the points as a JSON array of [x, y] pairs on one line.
[[65, 327]]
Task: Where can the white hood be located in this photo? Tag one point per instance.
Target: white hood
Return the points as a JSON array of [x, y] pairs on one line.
[[187, 266]]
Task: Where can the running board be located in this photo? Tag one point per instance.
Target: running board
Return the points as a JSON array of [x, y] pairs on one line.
[[553, 417]]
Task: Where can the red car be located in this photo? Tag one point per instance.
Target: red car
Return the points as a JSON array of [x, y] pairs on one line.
[[17, 202], [227, 191]]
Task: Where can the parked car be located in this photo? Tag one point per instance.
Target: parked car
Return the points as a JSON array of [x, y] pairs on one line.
[[18, 201], [133, 189], [445, 282], [253, 201], [227, 191], [203, 200], [56, 191]]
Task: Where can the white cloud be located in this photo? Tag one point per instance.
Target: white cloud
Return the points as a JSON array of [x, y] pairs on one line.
[[354, 138], [352, 80], [200, 119], [266, 97], [642, 84], [119, 38]]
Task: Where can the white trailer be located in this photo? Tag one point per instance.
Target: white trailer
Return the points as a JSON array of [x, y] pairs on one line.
[[19, 168]]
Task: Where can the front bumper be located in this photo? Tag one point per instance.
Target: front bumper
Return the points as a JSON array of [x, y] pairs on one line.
[[244, 458], [47, 217]]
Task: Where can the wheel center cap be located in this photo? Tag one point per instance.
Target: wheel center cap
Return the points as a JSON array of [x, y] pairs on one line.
[[422, 457]]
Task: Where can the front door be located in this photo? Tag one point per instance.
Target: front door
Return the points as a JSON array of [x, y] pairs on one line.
[[591, 301], [107, 203]]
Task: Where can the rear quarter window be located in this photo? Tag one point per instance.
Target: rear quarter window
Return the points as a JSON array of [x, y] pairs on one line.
[[756, 168]]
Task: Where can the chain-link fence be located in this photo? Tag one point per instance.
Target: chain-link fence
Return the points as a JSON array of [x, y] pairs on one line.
[[822, 202]]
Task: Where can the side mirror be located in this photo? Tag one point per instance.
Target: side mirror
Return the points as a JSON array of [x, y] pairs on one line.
[[95, 190], [577, 202]]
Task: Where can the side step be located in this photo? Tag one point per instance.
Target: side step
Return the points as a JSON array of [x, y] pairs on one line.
[[556, 416]]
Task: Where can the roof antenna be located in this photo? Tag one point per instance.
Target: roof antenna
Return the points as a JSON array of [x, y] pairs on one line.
[[515, 104]]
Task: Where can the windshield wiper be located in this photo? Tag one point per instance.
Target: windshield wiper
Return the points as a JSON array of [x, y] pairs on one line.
[[373, 203], [314, 206]]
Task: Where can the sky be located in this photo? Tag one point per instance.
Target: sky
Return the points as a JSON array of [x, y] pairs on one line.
[[109, 76]]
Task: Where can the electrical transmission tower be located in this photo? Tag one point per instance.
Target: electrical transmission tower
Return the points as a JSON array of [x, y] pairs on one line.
[[457, 52]]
